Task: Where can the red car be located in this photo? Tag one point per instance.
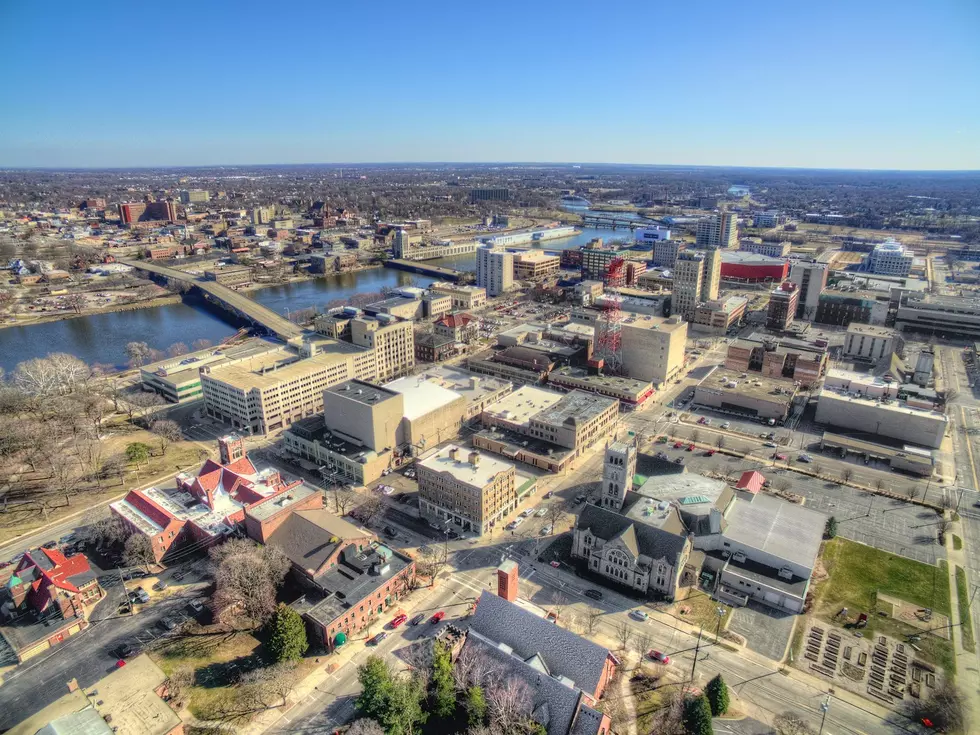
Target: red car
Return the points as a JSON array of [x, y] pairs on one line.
[[437, 617], [710, 453], [399, 619], [779, 457], [678, 445], [659, 657], [690, 447]]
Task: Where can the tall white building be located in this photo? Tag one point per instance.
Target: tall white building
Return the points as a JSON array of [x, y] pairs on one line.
[[889, 259], [812, 280], [494, 270], [719, 231]]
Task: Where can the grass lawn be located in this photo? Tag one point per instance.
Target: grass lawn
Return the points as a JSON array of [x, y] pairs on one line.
[[702, 610], [647, 699], [858, 573], [963, 601], [957, 542]]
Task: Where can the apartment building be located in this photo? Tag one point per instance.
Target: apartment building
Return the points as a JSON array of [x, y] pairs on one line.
[[712, 275], [393, 344], [133, 212], [471, 491], [464, 298], [765, 220], [494, 270], [783, 301], [812, 280], [653, 348], [719, 231], [665, 252]]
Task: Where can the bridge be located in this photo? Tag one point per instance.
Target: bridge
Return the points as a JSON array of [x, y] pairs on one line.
[[611, 220], [228, 298], [421, 267]]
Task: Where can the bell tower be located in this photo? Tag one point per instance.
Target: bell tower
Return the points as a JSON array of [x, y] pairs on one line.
[[618, 468]]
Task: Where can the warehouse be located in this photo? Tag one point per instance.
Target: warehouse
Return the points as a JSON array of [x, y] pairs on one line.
[[755, 396], [881, 417]]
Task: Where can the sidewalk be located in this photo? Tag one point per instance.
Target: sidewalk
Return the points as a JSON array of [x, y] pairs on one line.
[[967, 672]]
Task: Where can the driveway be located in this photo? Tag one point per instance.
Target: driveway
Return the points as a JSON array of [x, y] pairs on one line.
[[766, 631]]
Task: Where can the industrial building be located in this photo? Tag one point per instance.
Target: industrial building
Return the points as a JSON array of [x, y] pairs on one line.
[[741, 267], [869, 343], [653, 348], [756, 396], [468, 490], [783, 301], [881, 417]]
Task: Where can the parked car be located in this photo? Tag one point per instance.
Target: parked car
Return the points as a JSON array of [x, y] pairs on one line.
[[196, 605], [594, 594], [417, 619], [378, 638], [167, 623], [771, 445], [389, 532], [678, 445], [546, 530], [128, 650], [398, 620], [160, 586], [555, 564], [453, 535], [679, 460], [542, 512], [639, 615], [548, 495], [779, 457], [690, 447], [662, 455], [805, 458], [726, 424], [579, 499], [659, 657], [437, 617], [710, 453]]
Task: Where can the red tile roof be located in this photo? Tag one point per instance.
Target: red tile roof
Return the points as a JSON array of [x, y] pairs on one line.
[[149, 508], [242, 466], [58, 576], [455, 320]]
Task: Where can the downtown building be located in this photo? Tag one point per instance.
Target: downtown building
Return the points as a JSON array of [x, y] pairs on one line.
[[812, 280], [719, 231], [494, 270]]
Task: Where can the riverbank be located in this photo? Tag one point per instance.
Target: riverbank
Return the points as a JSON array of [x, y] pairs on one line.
[[303, 278], [32, 318]]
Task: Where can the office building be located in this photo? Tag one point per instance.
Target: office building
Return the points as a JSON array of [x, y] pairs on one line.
[[466, 489], [596, 261], [494, 270], [665, 252], [651, 235], [194, 196], [135, 212], [393, 343], [490, 195], [869, 417], [760, 247], [712, 275], [263, 215], [688, 283], [719, 231], [793, 359], [812, 280], [434, 348], [230, 275], [629, 392], [719, 315], [653, 348], [765, 220], [535, 265], [840, 307], [889, 258], [783, 301], [942, 316], [870, 344], [464, 298]]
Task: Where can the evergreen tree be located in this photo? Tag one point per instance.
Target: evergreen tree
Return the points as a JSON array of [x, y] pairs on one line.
[[288, 639], [376, 688], [697, 716], [443, 687], [831, 530], [476, 706], [404, 708], [717, 693]]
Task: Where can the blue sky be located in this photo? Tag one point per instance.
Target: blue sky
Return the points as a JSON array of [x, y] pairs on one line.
[[855, 84]]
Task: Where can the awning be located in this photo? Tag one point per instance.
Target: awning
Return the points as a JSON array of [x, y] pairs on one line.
[[340, 639]]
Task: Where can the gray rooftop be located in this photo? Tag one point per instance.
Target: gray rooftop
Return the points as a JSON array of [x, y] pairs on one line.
[[576, 407], [778, 527], [269, 508], [363, 392], [660, 535]]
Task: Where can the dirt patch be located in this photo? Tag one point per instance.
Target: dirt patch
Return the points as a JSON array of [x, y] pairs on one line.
[[935, 623]]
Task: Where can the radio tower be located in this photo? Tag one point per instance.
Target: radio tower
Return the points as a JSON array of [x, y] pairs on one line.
[[608, 338]]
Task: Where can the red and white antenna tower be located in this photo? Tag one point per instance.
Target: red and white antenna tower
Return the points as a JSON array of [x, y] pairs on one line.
[[609, 338]]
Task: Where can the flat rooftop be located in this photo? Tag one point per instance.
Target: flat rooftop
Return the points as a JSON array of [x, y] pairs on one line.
[[477, 475], [755, 385], [898, 408], [575, 407], [187, 367], [785, 530], [514, 442], [656, 323], [692, 492], [270, 370], [422, 396], [288, 499], [871, 330], [628, 385], [314, 429], [359, 391], [523, 403], [471, 386]]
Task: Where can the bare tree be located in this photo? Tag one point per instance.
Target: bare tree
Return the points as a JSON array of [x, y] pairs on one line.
[[817, 469], [366, 726], [790, 723], [269, 687], [138, 353], [557, 515], [141, 402], [558, 602], [845, 475], [624, 633], [246, 577], [431, 561], [178, 686], [720, 442], [592, 615], [473, 669], [167, 431], [912, 492], [946, 707], [75, 301], [107, 531], [879, 484], [177, 349], [642, 643], [138, 552], [509, 703], [946, 502], [65, 476], [201, 344], [343, 498], [695, 436], [668, 719]]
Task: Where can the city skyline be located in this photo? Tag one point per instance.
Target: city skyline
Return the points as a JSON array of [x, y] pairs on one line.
[[869, 86]]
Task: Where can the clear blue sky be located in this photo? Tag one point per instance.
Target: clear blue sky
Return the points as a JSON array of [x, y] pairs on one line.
[[857, 84]]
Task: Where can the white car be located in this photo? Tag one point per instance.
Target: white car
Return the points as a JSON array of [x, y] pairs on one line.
[[542, 512], [726, 425]]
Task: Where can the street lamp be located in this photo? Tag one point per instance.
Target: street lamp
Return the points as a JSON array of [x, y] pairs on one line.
[[721, 614], [824, 707]]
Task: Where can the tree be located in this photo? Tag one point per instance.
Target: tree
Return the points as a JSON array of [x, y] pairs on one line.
[[509, 703], [376, 685], [443, 687], [845, 475], [817, 469], [476, 706], [138, 353], [912, 492], [64, 474], [177, 349], [343, 498], [246, 577], [879, 484], [138, 453], [138, 551], [431, 561], [178, 686], [365, 726], [830, 530], [697, 716], [405, 712], [268, 687], [945, 708], [695, 436], [288, 639], [75, 301], [790, 723], [624, 633], [717, 694], [720, 442], [592, 615], [557, 514], [107, 531], [167, 431], [201, 344], [140, 402]]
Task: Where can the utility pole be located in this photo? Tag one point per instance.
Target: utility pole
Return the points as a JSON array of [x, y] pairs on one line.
[[824, 707], [697, 649]]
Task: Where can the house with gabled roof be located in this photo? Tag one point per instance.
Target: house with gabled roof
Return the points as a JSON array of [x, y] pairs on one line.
[[207, 507]]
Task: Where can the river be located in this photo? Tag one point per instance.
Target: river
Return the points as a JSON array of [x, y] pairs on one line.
[[102, 338]]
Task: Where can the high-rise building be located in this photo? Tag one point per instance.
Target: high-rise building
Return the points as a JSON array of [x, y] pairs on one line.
[[782, 305], [712, 275], [494, 270], [393, 343], [688, 283], [263, 215], [653, 347], [490, 195], [812, 280], [665, 252], [765, 220], [188, 196], [131, 212], [719, 231], [889, 258]]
